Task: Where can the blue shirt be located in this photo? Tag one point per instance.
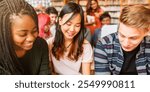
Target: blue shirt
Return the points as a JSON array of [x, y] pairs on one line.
[[108, 56]]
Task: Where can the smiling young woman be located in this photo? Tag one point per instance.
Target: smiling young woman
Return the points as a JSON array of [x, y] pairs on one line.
[[21, 50], [69, 51]]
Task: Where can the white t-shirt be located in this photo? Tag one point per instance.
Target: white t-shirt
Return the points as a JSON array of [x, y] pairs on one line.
[[65, 66]]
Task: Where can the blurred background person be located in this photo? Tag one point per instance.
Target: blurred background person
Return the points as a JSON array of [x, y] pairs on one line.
[[53, 14], [92, 14], [44, 26], [105, 19]]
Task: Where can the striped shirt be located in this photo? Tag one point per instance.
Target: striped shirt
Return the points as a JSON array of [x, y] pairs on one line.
[[108, 56]]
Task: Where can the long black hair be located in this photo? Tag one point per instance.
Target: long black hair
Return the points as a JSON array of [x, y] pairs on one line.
[[76, 47], [9, 63]]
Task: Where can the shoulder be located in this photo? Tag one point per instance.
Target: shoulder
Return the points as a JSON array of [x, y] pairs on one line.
[[86, 42], [87, 45], [147, 42], [40, 43], [97, 30], [87, 52], [109, 39]]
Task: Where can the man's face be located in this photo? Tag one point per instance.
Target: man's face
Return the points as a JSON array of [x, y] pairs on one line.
[[106, 21], [129, 37]]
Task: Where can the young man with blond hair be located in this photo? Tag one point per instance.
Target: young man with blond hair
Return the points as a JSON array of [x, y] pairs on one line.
[[126, 52]]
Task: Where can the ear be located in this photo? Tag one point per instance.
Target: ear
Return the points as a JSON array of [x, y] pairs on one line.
[[147, 32]]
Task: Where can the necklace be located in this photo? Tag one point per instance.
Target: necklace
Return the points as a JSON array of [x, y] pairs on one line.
[[69, 45]]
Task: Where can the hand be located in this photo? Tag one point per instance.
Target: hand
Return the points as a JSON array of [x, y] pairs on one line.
[[97, 14]]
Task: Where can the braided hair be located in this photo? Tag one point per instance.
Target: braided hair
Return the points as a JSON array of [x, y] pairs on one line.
[[9, 63]]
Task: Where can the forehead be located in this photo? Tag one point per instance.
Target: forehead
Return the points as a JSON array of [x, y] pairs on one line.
[[129, 31], [93, 2], [106, 18], [22, 22], [72, 18], [52, 14]]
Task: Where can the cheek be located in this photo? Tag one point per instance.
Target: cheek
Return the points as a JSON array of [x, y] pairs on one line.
[[77, 29], [136, 42], [64, 28], [46, 28], [18, 40], [36, 35]]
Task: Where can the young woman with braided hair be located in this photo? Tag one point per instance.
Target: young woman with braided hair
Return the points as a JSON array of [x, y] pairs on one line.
[[21, 50]]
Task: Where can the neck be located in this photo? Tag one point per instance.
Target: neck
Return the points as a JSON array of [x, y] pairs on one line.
[[20, 53], [68, 43]]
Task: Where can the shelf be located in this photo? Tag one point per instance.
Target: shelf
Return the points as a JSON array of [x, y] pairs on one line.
[[111, 6]]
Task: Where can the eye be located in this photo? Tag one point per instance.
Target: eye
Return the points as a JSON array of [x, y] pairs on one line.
[[69, 24], [22, 33], [34, 31], [133, 38], [78, 25]]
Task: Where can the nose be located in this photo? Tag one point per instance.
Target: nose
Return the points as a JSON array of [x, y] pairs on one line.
[[126, 42], [72, 28], [30, 38]]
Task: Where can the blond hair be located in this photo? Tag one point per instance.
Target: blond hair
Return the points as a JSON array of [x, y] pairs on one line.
[[137, 16]]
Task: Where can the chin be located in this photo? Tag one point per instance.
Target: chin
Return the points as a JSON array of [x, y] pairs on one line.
[[127, 50], [68, 37], [28, 48]]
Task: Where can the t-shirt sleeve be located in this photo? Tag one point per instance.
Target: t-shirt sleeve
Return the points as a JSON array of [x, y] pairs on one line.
[[87, 53]]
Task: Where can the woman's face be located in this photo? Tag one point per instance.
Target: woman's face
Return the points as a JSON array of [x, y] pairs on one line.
[[71, 28], [94, 4], [53, 18], [47, 27], [24, 32]]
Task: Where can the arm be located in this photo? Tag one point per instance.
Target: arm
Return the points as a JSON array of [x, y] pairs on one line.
[[86, 68], [99, 13], [100, 59], [44, 68], [87, 58]]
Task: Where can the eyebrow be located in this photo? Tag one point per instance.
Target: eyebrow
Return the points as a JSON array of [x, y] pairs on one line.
[[27, 30]]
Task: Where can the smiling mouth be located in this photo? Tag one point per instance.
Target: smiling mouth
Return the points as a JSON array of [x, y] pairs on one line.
[[70, 34], [29, 45]]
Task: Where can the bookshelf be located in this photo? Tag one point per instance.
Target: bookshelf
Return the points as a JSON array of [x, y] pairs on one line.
[[112, 6]]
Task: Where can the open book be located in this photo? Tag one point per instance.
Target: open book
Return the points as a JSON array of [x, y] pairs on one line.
[[90, 19], [108, 29]]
